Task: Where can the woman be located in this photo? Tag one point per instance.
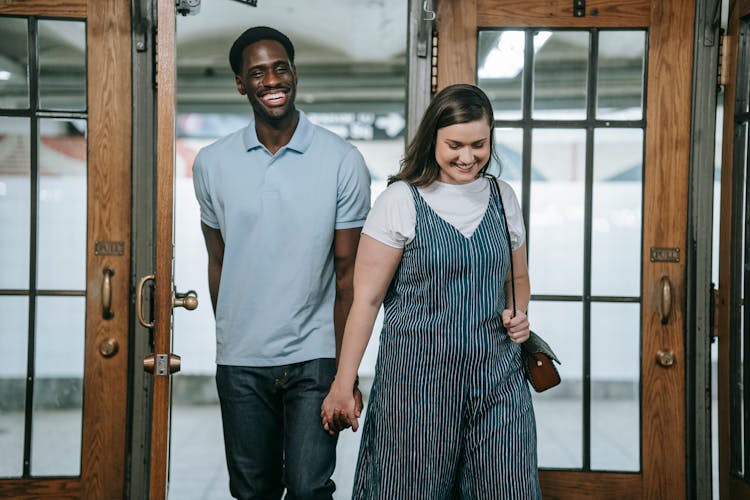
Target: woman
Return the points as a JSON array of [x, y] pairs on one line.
[[450, 413]]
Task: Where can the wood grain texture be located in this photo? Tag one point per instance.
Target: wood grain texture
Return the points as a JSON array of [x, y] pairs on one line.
[[665, 224], [71, 9], [557, 14], [589, 485], [109, 191], [743, 8], [28, 489], [165, 77], [457, 42]]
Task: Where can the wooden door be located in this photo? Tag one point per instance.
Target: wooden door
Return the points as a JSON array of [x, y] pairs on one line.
[[164, 293], [734, 270], [592, 109], [65, 174]]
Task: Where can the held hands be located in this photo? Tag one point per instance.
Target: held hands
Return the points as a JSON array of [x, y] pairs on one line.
[[517, 327], [341, 408]]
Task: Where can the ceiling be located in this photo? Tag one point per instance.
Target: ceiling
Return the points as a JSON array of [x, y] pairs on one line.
[[350, 56], [346, 51]]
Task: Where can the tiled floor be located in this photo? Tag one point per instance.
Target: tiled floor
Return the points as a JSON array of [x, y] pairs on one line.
[[198, 470], [199, 473]]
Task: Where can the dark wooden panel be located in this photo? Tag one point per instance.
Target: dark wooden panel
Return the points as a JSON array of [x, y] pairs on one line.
[[28, 489], [590, 485], [75, 9], [457, 42], [665, 224], [557, 14], [109, 164], [164, 212]]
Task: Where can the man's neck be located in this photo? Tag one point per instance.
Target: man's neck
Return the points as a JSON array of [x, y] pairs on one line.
[[274, 135]]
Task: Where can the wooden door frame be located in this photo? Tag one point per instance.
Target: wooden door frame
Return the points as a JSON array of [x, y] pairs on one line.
[[166, 55], [670, 60], [730, 487], [108, 187]]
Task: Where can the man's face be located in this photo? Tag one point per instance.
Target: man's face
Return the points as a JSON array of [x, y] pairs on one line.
[[268, 79]]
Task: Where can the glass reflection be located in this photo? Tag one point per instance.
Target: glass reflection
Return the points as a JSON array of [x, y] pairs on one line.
[[557, 207], [616, 217], [15, 202], [500, 59], [615, 382], [558, 411], [58, 387], [14, 84], [13, 352], [620, 86], [62, 65], [62, 205], [560, 75]]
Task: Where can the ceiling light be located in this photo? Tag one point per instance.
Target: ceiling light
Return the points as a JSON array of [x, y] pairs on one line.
[[507, 58]]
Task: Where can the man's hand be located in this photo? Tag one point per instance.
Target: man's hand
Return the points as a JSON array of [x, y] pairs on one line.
[[338, 413]]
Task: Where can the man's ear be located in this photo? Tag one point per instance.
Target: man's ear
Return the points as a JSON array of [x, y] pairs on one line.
[[240, 85]]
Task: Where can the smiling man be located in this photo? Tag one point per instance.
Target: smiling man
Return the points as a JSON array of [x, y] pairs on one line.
[[282, 205]]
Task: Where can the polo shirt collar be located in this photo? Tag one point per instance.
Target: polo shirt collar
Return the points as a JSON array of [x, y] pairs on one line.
[[301, 139]]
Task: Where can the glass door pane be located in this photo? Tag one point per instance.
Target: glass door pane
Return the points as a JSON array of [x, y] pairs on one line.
[[43, 225], [579, 146]]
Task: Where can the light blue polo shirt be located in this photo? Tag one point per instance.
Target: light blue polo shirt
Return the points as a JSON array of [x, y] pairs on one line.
[[277, 214]]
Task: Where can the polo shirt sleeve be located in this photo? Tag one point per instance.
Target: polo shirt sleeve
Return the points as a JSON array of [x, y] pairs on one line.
[[203, 193], [353, 192]]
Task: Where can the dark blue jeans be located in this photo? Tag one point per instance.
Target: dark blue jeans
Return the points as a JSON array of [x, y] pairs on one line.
[[273, 436]]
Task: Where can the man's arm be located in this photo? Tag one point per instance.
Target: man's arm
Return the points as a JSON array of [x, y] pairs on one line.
[[345, 242], [215, 247]]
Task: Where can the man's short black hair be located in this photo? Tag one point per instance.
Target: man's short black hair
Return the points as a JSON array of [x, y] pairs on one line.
[[253, 35]]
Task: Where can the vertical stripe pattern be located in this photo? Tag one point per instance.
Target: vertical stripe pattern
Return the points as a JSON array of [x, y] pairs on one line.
[[450, 413]]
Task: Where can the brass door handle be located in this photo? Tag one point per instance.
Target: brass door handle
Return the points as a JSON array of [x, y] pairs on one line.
[[107, 313], [188, 300], [665, 304], [139, 301]]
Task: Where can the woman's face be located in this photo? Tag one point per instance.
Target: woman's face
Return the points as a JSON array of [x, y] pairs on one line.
[[462, 150]]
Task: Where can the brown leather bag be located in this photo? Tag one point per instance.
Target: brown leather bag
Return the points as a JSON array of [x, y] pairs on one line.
[[538, 367]]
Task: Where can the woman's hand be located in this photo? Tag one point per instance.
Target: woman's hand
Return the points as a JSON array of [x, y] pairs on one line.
[[341, 408], [517, 327]]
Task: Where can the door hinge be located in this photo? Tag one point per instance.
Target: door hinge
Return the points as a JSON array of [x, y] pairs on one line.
[[714, 305], [727, 45]]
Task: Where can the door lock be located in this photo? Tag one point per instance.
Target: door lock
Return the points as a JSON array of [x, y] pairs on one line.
[[665, 358], [162, 364]]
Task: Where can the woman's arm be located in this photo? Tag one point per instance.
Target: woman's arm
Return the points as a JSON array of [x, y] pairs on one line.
[[518, 324], [374, 268]]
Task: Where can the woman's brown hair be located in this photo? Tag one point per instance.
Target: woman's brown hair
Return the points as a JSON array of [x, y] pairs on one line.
[[459, 103]]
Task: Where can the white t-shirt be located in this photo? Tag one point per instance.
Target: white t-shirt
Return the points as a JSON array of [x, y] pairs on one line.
[[393, 218]]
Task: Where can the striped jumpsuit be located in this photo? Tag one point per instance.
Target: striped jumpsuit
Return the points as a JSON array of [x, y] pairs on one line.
[[450, 413]]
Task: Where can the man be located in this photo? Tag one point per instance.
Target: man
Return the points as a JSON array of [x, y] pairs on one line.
[[282, 205]]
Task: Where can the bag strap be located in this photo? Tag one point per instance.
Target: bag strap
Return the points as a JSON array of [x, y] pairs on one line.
[[507, 235]]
